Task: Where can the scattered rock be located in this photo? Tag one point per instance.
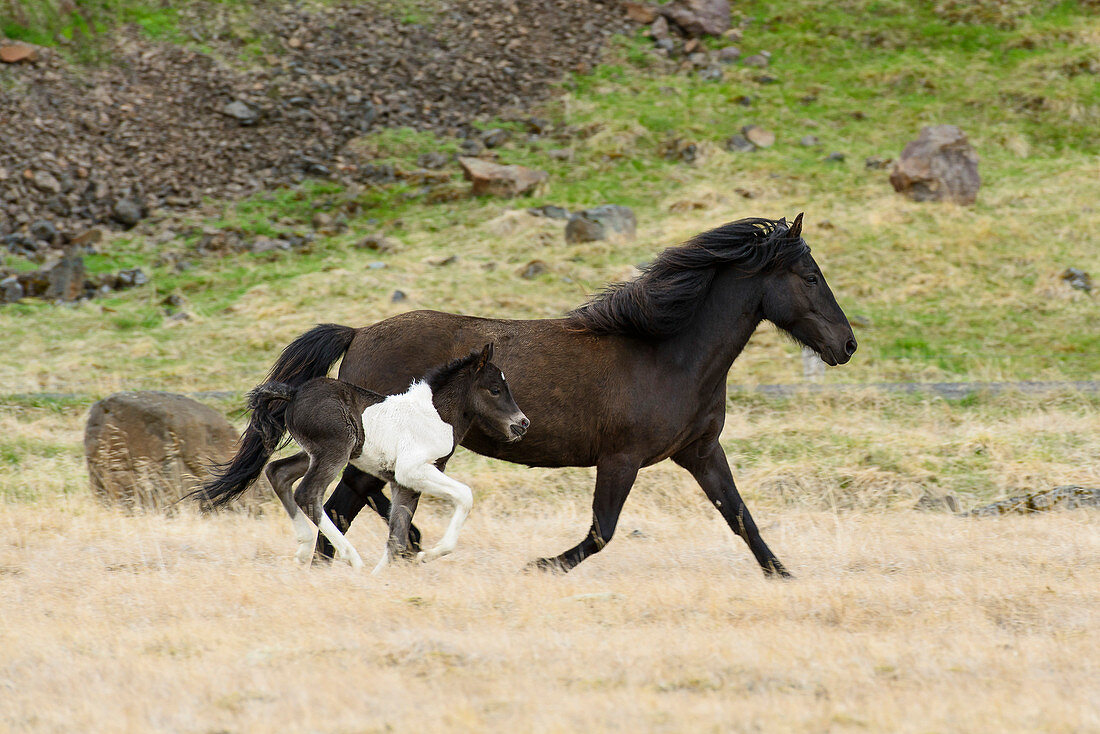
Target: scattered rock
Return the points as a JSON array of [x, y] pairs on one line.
[[729, 54], [146, 450], [126, 212], [877, 162], [377, 265], [939, 165], [89, 238], [533, 269], [398, 296], [65, 278], [378, 242], [934, 502], [740, 144], [560, 154], [444, 261], [241, 112], [758, 136], [698, 17], [711, 74], [835, 157], [809, 141], [11, 290], [43, 231], [745, 100], [549, 211], [1078, 279], [1067, 497], [263, 244], [639, 12], [608, 221], [495, 138], [497, 180], [46, 181], [433, 161], [11, 53], [760, 60], [659, 31]]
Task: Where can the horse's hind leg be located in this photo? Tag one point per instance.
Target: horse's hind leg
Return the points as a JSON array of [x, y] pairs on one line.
[[428, 480], [282, 474], [401, 513], [324, 471]]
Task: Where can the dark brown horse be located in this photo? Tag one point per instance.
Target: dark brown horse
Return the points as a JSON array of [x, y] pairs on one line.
[[635, 376]]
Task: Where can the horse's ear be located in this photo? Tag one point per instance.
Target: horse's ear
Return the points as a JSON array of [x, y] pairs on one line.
[[486, 356], [795, 231]]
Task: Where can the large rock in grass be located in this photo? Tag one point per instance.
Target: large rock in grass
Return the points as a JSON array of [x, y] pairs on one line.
[[491, 178], [606, 222], [699, 17], [940, 165], [146, 450]]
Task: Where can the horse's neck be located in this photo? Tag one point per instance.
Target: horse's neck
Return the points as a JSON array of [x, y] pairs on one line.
[[714, 337]]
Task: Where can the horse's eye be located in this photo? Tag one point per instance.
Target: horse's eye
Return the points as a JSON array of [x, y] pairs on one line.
[[494, 391], [811, 280]]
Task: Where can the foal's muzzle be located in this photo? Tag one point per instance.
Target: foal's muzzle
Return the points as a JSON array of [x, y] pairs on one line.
[[519, 427]]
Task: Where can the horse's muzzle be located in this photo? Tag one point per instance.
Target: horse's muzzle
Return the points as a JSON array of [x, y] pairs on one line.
[[519, 428]]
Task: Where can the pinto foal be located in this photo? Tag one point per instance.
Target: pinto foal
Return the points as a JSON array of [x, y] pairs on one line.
[[398, 438]]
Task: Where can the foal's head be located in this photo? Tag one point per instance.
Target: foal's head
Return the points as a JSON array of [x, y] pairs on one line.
[[798, 300], [490, 400]]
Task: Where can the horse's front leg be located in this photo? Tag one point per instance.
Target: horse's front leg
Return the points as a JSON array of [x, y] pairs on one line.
[[708, 465], [357, 490], [615, 476], [427, 479]]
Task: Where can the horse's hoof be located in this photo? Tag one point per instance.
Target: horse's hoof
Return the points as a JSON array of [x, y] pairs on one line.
[[776, 571], [545, 565]]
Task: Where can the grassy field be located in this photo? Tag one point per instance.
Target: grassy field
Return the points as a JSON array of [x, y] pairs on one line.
[[897, 621]]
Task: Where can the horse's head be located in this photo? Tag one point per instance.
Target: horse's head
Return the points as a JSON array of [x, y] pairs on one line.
[[798, 300], [495, 410]]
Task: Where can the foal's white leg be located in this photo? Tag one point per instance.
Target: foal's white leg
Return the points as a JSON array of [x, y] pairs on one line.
[[385, 561], [427, 479], [345, 551], [306, 535]]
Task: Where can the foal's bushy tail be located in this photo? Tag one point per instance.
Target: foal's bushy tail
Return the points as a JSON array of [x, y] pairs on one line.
[[309, 356]]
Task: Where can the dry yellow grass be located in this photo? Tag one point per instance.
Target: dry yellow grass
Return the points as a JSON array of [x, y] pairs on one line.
[[898, 621]]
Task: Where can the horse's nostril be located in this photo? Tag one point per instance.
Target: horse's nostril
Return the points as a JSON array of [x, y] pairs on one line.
[[525, 423], [850, 347]]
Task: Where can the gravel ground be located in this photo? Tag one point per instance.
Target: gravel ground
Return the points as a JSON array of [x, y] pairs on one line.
[[165, 126]]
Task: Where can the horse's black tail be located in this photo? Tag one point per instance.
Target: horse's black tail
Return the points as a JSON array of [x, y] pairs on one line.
[[309, 356]]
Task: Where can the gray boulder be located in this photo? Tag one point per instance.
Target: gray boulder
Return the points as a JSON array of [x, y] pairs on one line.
[[601, 223], [940, 165], [146, 450]]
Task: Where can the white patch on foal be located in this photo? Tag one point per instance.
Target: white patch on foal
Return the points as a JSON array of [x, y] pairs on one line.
[[404, 437]]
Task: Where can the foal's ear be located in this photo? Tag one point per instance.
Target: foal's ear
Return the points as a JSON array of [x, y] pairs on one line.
[[486, 356], [795, 230]]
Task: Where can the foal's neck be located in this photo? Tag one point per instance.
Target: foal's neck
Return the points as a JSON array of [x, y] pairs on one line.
[[451, 398]]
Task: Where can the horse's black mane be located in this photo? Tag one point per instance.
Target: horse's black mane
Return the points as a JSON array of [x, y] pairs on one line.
[[443, 374], [660, 301]]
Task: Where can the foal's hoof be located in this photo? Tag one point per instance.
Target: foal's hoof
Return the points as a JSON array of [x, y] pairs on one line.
[[545, 565], [775, 570]]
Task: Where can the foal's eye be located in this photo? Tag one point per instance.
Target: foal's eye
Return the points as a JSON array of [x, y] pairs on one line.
[[494, 391]]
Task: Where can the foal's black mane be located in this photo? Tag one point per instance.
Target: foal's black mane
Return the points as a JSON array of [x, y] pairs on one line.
[[660, 301], [443, 374]]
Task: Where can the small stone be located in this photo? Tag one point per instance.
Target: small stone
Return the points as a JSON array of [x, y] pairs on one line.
[[939, 165], [560, 154], [471, 146], [378, 242], [745, 100], [876, 162], [639, 12], [11, 290], [740, 144], [432, 161], [759, 61], [711, 74], [377, 265], [398, 296], [497, 180], [45, 181], [729, 54], [445, 261], [88, 238], [758, 136], [1078, 279], [126, 212], [549, 211], [533, 269], [659, 30], [495, 138], [600, 223], [320, 220], [809, 141], [241, 112], [43, 231], [835, 157], [698, 17], [294, 42], [12, 53]]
